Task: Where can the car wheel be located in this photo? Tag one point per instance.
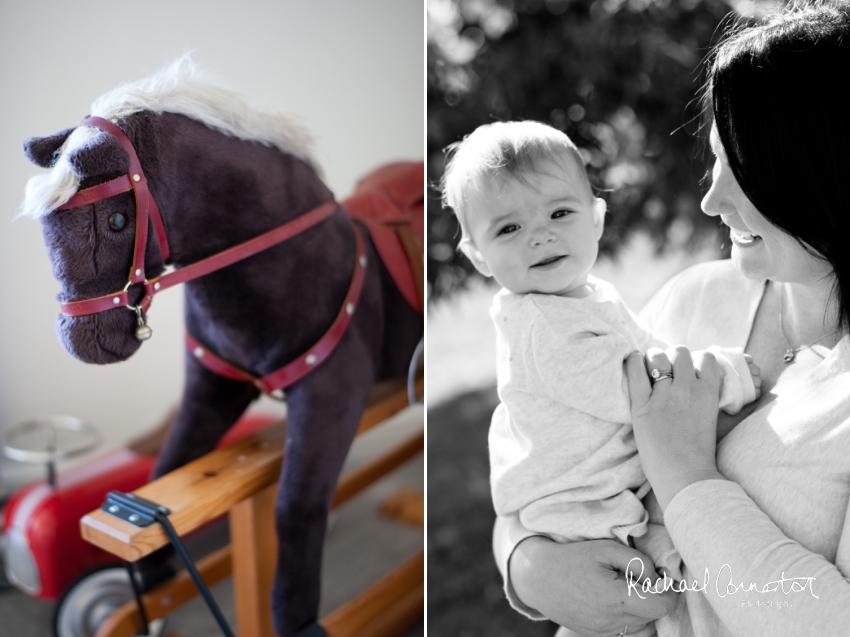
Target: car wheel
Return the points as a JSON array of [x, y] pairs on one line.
[[89, 600]]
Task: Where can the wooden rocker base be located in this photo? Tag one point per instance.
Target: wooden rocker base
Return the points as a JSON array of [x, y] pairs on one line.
[[241, 480], [387, 608], [408, 505]]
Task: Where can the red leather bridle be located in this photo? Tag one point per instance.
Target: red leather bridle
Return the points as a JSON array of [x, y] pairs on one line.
[[146, 209]]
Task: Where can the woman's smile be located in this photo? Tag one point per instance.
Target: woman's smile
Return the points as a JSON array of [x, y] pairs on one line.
[[743, 239]]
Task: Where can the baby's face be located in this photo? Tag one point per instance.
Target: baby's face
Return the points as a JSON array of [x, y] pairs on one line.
[[540, 234]]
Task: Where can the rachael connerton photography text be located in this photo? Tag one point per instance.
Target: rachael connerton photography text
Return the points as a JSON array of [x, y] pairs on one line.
[[723, 584]]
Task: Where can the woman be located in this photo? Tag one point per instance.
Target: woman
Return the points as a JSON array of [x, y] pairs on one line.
[[762, 527]]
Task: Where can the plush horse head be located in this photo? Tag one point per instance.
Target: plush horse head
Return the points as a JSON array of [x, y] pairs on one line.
[[91, 247], [170, 170]]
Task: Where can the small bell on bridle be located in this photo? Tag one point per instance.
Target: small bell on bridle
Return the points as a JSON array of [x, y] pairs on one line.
[[143, 331]]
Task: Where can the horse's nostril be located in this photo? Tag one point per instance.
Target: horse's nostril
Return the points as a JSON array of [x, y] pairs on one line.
[[117, 221]]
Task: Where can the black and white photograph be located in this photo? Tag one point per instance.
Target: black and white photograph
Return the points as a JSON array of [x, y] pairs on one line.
[[637, 365]]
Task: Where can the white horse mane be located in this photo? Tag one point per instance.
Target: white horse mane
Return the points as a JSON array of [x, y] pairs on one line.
[[178, 88]]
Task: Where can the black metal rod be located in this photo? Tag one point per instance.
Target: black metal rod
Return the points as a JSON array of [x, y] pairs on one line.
[[190, 566], [138, 595], [146, 512]]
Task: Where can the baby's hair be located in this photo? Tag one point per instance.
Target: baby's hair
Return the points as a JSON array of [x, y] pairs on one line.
[[493, 151]]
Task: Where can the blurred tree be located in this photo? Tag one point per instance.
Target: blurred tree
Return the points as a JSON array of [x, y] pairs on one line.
[[620, 77]]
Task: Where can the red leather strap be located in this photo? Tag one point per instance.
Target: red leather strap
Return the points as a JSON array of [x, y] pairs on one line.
[[309, 360], [313, 357], [387, 243], [92, 306], [99, 192], [146, 207], [243, 250], [210, 264], [214, 363], [390, 202]]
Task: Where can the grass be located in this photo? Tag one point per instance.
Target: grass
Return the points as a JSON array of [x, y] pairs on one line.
[[465, 597]]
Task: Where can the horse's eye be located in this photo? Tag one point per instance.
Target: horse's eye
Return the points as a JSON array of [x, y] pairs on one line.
[[117, 221]]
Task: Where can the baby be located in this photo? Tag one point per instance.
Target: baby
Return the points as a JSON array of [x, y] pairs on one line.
[[562, 451]]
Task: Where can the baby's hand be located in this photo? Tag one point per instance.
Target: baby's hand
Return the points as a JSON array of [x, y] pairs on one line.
[[755, 372], [674, 576]]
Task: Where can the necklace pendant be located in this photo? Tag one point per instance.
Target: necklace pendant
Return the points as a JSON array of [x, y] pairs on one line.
[[790, 356]]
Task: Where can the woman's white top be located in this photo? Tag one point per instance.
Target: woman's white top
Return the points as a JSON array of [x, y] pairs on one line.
[[770, 545]]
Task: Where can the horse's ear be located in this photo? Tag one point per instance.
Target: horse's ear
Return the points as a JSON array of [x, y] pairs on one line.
[[103, 154], [42, 150]]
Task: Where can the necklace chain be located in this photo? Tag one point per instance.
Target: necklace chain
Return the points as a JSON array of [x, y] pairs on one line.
[[791, 353]]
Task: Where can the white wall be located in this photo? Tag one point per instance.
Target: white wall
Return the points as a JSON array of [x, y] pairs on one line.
[[353, 70]]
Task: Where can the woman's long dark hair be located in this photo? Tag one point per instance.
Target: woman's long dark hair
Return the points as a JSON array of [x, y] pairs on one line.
[[779, 95]]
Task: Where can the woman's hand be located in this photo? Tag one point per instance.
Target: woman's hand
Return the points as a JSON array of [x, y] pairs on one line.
[[582, 585], [675, 419]]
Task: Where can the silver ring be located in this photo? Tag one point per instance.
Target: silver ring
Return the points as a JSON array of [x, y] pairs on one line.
[[657, 375], [623, 634]]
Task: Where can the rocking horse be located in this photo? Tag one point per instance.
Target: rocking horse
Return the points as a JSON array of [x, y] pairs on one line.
[[286, 289]]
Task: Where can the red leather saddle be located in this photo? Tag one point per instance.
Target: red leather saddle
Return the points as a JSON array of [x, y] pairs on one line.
[[390, 202]]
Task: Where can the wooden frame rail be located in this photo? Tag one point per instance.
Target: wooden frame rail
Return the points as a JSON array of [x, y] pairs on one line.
[[241, 479]]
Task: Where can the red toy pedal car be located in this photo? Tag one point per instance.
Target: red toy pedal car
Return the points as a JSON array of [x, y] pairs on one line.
[[41, 546]]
